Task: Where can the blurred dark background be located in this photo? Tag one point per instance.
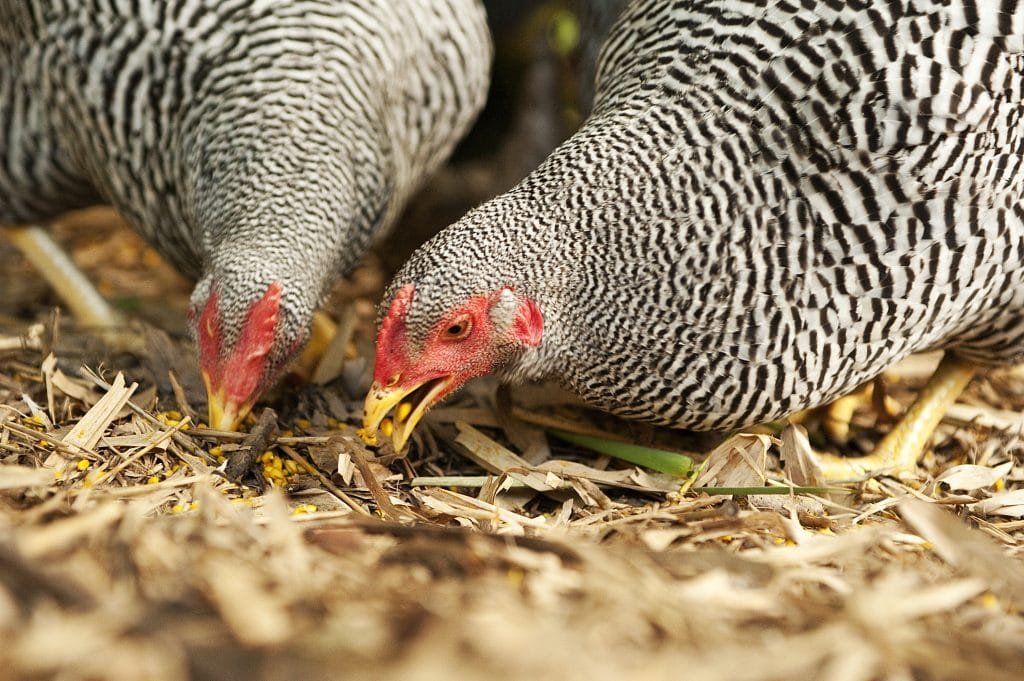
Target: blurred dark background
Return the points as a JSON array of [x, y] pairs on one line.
[[541, 90]]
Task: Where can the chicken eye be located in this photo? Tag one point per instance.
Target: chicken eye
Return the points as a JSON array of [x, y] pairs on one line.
[[458, 329]]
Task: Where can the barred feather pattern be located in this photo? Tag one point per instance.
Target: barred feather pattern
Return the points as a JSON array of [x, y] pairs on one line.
[[772, 202], [249, 141]]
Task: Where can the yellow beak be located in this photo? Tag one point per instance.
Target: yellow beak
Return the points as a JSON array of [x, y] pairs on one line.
[[408, 412], [224, 414]]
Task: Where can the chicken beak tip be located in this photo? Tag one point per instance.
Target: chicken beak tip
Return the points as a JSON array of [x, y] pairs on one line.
[[225, 414], [379, 403]]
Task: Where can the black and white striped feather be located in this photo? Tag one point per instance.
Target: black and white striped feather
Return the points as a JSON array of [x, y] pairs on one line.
[[249, 141], [772, 202]]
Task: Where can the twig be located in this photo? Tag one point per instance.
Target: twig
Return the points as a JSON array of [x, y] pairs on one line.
[[228, 436], [325, 481], [34, 436], [8, 343], [181, 398], [161, 437], [255, 443], [380, 496], [469, 481]]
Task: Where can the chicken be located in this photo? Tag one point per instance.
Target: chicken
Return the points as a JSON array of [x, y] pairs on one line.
[[770, 204], [261, 147]]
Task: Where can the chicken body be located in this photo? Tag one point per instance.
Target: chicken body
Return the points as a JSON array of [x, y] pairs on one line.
[[260, 146], [771, 203]]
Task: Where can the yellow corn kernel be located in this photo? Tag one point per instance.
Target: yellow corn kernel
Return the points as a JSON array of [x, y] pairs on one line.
[[291, 467], [332, 423], [999, 485], [267, 456], [303, 423], [515, 576], [83, 464], [217, 451], [387, 427], [403, 411], [177, 508], [153, 479], [304, 508]]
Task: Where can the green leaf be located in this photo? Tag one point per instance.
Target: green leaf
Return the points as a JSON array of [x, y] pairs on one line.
[[672, 463]]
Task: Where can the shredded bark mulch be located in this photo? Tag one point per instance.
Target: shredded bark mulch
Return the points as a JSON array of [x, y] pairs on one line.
[[135, 543]]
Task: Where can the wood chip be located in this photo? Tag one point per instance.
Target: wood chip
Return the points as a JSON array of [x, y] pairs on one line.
[[90, 428], [968, 477], [740, 461]]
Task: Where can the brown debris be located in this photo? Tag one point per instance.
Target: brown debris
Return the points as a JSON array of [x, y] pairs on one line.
[[243, 458], [125, 554]]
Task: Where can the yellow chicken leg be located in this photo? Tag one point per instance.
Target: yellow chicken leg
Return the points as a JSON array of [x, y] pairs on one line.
[[900, 449], [839, 414]]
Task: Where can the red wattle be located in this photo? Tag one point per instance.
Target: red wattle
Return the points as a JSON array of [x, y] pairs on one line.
[[239, 374]]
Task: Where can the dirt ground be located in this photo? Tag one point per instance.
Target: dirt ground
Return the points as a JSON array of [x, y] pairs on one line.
[[492, 549]]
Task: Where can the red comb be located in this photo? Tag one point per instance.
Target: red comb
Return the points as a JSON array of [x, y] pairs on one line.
[[258, 332], [208, 339], [393, 323], [239, 374], [391, 338], [244, 368]]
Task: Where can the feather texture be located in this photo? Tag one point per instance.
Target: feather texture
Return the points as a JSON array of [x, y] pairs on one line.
[[250, 141], [771, 203]]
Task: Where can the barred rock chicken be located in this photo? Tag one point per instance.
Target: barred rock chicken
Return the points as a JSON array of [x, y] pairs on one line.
[[260, 145], [771, 203]]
